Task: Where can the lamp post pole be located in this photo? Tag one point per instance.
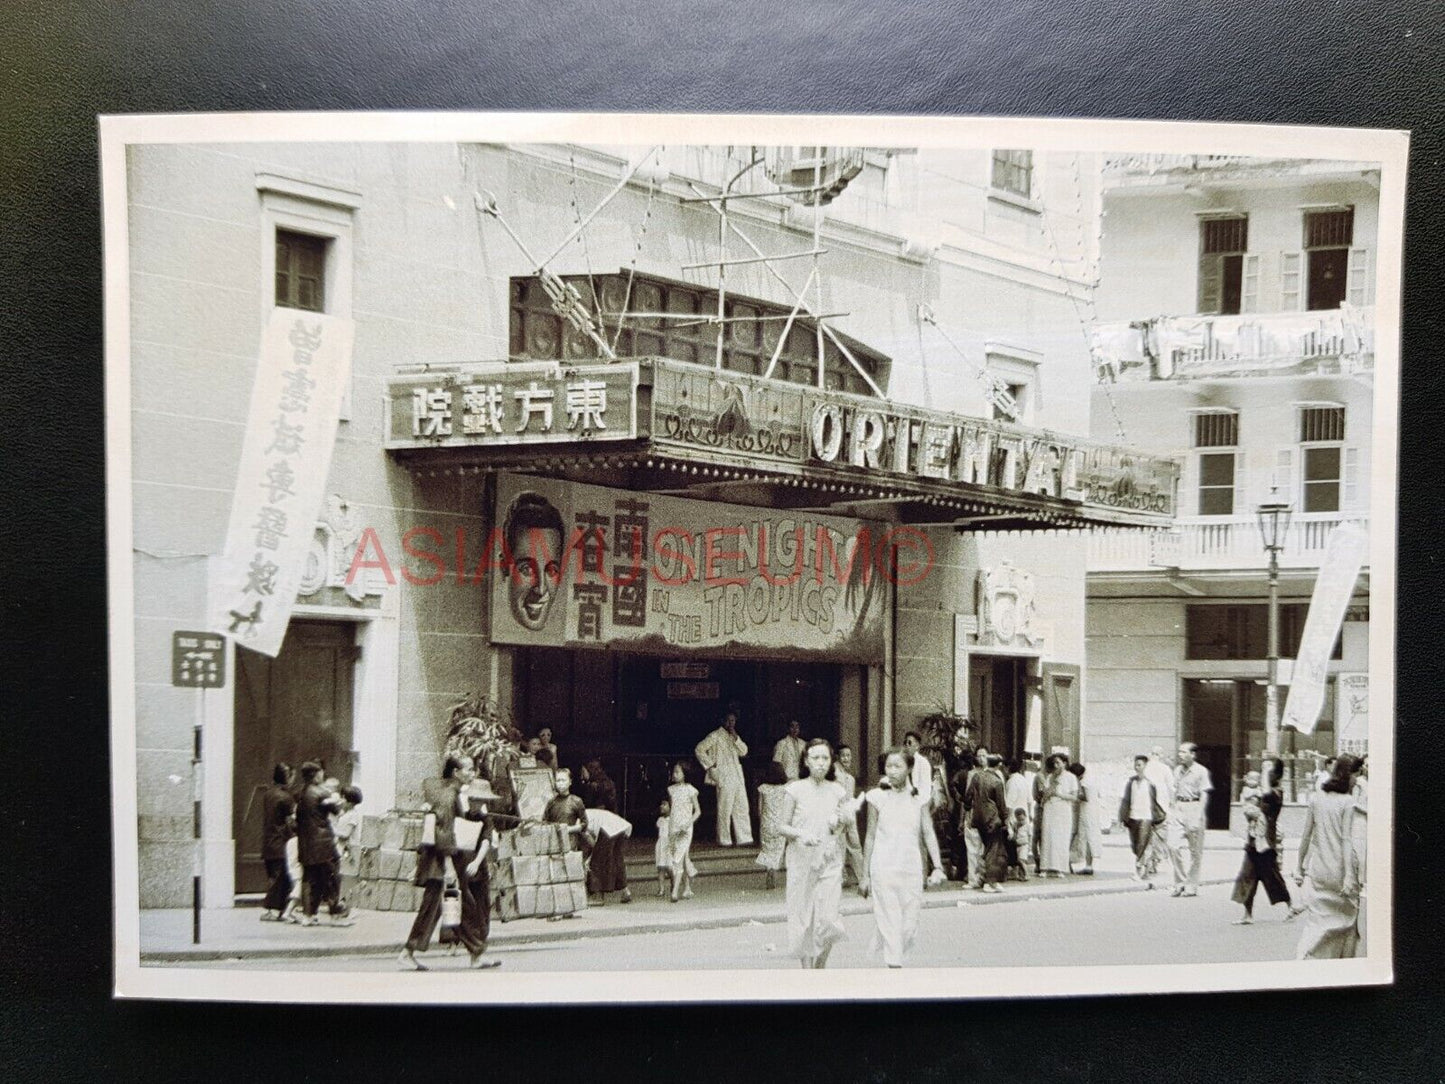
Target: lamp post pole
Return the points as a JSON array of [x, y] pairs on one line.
[[1274, 517], [1271, 692]]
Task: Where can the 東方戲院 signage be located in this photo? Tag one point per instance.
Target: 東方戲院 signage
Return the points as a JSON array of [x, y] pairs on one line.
[[707, 415], [526, 403]]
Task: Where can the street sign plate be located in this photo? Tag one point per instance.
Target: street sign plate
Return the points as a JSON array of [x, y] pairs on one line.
[[198, 660]]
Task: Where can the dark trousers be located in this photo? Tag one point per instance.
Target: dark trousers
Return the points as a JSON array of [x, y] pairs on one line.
[[995, 858], [958, 853], [607, 870], [1260, 868], [1141, 833], [278, 884], [322, 883], [471, 932]]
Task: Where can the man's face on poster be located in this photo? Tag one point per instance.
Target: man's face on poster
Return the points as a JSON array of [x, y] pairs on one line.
[[532, 587]]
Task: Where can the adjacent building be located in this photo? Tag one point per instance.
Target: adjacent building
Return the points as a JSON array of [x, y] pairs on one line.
[[1235, 316], [709, 366]]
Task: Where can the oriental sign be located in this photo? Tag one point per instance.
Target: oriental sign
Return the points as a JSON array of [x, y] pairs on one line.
[[775, 428]]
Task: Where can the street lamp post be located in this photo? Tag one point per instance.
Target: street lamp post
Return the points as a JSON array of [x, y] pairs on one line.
[[1273, 516]]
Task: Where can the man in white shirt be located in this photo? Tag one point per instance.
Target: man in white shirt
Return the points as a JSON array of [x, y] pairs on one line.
[[922, 772], [789, 751], [720, 754], [1192, 785]]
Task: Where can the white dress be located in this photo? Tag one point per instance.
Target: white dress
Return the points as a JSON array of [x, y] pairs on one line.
[[895, 871], [1058, 826], [815, 874]]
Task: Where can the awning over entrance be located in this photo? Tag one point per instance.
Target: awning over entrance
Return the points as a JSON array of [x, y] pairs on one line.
[[664, 426]]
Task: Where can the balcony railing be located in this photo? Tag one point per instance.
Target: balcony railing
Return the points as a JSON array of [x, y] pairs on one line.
[[1157, 163], [1204, 543], [1328, 341], [1155, 169]]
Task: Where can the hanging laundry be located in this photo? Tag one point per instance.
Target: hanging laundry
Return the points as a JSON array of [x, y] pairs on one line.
[[1116, 348]]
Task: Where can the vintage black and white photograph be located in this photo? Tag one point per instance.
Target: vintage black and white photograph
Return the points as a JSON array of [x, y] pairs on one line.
[[564, 558]]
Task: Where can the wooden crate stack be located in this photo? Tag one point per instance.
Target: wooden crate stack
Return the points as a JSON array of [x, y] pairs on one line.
[[537, 874], [386, 863]]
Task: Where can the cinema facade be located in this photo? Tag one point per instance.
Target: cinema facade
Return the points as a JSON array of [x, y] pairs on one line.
[[569, 492]]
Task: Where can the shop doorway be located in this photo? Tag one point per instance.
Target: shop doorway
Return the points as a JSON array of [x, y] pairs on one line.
[[293, 708], [640, 713], [997, 690], [1211, 710]]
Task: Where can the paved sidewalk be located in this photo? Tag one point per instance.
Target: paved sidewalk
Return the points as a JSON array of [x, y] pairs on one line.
[[724, 900]]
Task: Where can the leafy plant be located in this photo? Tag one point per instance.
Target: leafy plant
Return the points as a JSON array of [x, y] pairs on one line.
[[482, 729], [947, 734]]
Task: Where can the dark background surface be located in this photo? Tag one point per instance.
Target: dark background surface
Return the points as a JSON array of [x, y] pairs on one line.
[[1347, 62]]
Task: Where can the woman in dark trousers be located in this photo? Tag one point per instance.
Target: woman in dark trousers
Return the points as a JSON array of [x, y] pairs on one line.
[[446, 799], [278, 824], [316, 845]]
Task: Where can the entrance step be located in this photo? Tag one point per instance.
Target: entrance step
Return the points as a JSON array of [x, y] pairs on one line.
[[710, 859]]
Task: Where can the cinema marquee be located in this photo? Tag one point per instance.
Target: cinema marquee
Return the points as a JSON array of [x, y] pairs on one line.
[[654, 424]]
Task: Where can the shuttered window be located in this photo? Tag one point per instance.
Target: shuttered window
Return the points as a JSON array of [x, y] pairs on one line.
[[300, 271], [1222, 245], [1328, 236], [1216, 430], [1321, 423], [1013, 171], [1329, 229]]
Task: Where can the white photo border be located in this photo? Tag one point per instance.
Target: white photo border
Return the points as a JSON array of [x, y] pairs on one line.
[[132, 980]]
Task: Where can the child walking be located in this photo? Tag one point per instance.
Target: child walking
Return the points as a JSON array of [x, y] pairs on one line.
[[771, 795], [662, 855], [1019, 845], [684, 813]]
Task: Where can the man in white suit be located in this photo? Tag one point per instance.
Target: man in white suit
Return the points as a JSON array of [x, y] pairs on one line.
[[720, 754]]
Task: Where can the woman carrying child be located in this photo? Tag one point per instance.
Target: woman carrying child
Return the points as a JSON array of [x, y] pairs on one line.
[[1260, 865]]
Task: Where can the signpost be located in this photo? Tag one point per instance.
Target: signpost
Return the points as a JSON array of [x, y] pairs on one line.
[[198, 661]]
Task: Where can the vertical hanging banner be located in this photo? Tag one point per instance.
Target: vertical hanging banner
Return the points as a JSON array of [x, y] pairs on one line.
[[303, 368], [1344, 555]]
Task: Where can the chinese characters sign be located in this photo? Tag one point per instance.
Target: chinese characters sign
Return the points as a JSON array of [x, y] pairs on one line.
[[198, 660], [514, 404], [304, 364], [634, 570]]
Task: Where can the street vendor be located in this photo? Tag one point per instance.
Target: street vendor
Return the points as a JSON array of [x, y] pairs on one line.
[[566, 808]]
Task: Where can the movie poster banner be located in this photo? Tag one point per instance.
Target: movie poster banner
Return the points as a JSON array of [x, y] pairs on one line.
[[585, 566]]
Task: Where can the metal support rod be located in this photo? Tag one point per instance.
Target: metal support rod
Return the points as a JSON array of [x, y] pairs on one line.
[[748, 195], [817, 269], [788, 327], [754, 259], [582, 225], [864, 373], [685, 319], [722, 278]]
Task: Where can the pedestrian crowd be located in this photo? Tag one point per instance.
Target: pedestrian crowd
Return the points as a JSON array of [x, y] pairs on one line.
[[989, 822], [308, 824]]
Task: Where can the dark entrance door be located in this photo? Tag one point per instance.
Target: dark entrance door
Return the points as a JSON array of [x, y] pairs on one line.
[[1209, 708], [996, 702], [293, 708]]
